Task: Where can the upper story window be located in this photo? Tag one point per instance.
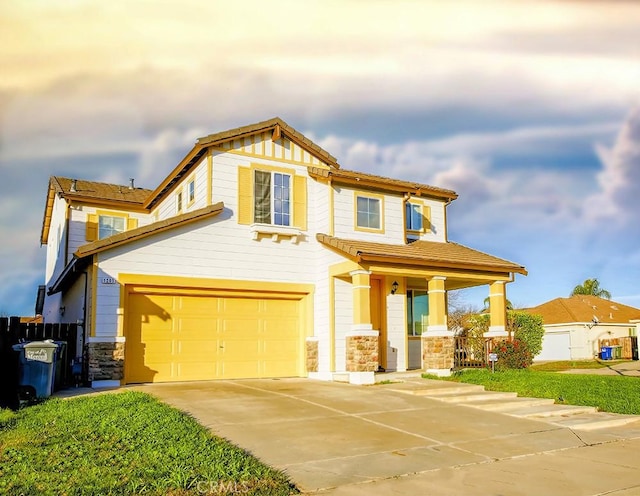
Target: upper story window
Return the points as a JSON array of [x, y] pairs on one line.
[[109, 225], [191, 191], [179, 202], [272, 199], [413, 216], [369, 212], [104, 224]]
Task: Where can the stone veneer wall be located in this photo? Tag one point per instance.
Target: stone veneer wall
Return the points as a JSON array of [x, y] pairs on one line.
[[362, 353], [106, 361], [312, 356], [437, 352]]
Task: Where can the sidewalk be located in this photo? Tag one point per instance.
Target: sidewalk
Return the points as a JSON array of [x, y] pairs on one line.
[[629, 369]]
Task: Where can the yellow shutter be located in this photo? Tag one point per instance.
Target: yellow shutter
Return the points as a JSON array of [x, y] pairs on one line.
[[426, 218], [300, 202], [245, 195], [132, 223], [92, 227]]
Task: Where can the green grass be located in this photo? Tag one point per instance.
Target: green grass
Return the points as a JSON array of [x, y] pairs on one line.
[[123, 443], [608, 393], [573, 364]]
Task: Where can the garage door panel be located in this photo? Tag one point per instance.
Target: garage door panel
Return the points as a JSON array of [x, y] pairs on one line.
[[179, 338]]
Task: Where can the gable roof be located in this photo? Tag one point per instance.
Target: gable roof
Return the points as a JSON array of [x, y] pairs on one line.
[[82, 256], [381, 183], [275, 124], [148, 230], [110, 195], [583, 308], [420, 253]]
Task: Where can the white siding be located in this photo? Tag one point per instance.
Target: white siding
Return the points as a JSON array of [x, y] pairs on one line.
[[343, 320], [396, 332], [344, 217], [438, 227]]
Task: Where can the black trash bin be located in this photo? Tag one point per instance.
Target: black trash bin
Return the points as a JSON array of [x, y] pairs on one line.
[[60, 369], [36, 366]]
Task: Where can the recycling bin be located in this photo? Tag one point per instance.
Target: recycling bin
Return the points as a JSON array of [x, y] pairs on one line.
[[605, 352], [616, 352], [36, 366]]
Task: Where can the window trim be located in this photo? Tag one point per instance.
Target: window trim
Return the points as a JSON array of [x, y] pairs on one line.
[[422, 229], [179, 201], [191, 198], [272, 171], [372, 196]]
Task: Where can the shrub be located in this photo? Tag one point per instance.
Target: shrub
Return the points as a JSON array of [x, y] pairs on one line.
[[513, 354], [526, 328]]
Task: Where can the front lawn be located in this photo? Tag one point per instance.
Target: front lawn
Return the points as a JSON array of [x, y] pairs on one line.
[[608, 393], [123, 443], [561, 365]]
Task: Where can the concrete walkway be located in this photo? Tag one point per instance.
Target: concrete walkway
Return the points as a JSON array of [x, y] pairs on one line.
[[342, 439], [629, 369]]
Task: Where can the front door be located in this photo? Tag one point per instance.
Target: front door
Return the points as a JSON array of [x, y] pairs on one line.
[[375, 302]]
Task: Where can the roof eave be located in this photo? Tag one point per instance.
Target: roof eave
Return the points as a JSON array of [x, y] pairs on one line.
[[403, 260], [146, 231], [68, 276]]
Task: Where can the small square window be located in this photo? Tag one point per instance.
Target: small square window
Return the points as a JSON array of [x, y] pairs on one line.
[[368, 213], [108, 226]]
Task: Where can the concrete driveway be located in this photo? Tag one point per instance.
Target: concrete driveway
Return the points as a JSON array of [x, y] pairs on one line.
[[358, 440]]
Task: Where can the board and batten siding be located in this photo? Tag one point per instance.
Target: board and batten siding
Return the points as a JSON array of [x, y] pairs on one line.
[[396, 330]]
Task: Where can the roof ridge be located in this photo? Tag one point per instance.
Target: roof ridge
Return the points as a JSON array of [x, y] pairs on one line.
[[57, 179]]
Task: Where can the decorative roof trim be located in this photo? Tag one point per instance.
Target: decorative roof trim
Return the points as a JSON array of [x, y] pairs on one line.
[[380, 183]]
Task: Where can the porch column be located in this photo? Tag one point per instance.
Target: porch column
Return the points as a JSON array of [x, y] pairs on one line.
[[438, 340], [497, 310], [362, 340]]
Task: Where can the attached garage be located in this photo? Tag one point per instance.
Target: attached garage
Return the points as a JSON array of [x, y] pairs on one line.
[[202, 334], [555, 346]]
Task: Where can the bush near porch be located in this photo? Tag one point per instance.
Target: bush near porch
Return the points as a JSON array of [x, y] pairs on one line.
[[523, 344]]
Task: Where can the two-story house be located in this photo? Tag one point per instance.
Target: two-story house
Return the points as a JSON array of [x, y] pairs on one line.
[[259, 256]]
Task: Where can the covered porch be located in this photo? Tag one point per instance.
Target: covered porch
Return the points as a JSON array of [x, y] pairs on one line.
[[389, 303]]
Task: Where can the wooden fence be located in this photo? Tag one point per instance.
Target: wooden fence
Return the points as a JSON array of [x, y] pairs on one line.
[[628, 344], [12, 331], [471, 353]]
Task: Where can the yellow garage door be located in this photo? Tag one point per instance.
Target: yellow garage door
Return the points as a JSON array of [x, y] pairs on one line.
[[186, 337]]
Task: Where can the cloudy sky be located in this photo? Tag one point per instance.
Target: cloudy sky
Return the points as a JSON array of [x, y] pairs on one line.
[[530, 110]]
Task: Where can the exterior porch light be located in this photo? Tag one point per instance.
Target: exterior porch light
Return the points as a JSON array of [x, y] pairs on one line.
[[394, 287]]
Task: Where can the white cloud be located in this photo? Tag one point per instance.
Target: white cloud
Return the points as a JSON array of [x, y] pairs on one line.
[[619, 180]]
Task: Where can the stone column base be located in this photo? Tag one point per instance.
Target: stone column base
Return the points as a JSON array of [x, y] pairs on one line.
[[362, 351], [106, 362], [437, 354], [312, 354]]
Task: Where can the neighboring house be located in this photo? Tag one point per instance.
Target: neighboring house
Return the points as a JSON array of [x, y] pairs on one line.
[[258, 256], [573, 326]]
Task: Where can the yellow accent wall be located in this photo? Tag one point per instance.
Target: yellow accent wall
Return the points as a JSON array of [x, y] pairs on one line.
[[361, 282]]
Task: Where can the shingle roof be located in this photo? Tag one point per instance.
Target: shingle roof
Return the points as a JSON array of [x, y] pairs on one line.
[[148, 230], [583, 308], [382, 183], [99, 191], [421, 253], [90, 192]]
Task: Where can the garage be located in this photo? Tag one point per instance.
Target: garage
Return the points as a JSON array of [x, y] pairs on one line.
[[555, 346], [182, 336]]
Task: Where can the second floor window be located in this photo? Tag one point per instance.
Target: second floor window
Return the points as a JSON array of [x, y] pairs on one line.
[[272, 199], [109, 225], [191, 191], [413, 213], [368, 212], [179, 202]]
